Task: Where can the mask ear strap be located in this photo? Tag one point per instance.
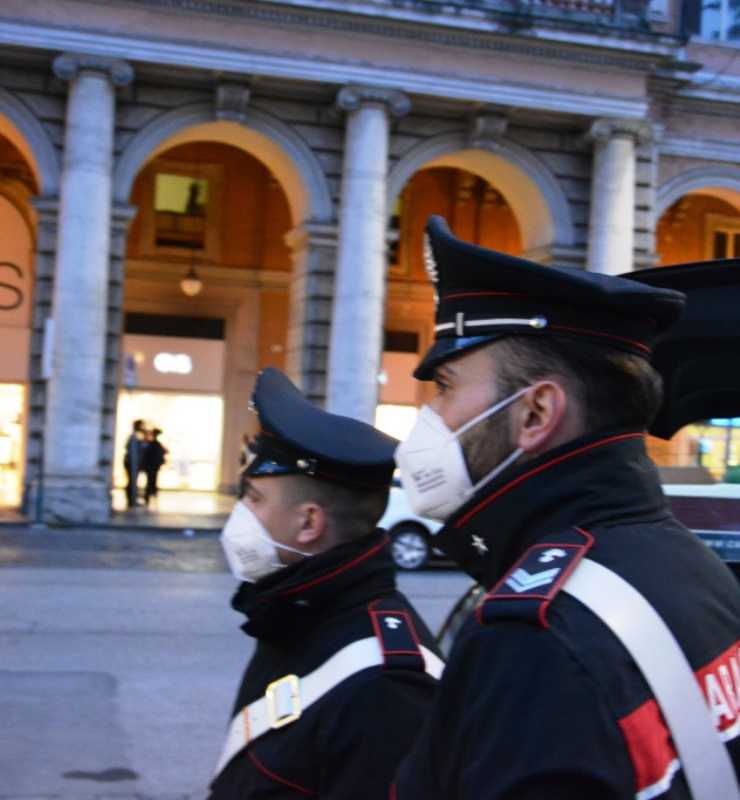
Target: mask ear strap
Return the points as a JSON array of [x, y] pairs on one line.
[[497, 470], [492, 410]]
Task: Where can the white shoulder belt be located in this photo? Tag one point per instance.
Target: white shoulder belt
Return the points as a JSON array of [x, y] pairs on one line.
[[288, 697], [706, 764]]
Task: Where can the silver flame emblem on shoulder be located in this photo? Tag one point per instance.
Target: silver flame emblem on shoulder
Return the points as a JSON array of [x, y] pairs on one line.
[[430, 265]]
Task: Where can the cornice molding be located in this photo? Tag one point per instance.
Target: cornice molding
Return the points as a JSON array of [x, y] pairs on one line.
[[700, 149], [243, 62]]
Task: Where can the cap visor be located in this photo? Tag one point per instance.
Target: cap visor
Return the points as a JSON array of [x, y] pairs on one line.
[[444, 350]]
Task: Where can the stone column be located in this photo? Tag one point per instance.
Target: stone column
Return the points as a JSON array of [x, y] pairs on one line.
[[75, 489], [314, 247], [121, 216], [47, 213], [359, 292], [612, 215]]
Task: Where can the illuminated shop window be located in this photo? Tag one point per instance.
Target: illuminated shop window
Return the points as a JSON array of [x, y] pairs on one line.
[[12, 404]]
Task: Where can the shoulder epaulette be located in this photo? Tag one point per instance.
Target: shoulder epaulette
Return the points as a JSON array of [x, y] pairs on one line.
[[528, 588]]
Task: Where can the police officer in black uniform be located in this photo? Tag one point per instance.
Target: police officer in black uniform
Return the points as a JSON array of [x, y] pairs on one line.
[[344, 669], [533, 452]]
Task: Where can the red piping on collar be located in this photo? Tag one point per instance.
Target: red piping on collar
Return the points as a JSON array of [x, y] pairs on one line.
[[565, 457], [263, 769], [362, 557], [589, 332]]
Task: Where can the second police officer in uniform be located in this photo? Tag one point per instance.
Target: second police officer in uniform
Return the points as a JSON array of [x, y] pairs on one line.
[[533, 452], [344, 669]]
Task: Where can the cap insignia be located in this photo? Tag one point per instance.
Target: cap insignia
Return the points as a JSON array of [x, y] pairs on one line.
[[431, 265]]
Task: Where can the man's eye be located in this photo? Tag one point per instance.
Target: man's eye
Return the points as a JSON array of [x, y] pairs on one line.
[[441, 386]]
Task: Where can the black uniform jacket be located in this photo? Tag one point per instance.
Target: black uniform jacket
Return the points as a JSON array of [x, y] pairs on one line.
[[349, 743], [539, 700]]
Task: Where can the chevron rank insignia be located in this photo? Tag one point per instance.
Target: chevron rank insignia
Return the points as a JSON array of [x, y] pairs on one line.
[[528, 588]]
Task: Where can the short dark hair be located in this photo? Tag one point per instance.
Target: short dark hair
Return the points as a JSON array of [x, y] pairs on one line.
[[614, 389], [352, 512]]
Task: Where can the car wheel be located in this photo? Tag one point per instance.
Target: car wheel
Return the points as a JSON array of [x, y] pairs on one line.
[[409, 547]]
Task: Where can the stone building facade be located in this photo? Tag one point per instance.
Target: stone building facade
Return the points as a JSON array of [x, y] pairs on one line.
[[282, 157]]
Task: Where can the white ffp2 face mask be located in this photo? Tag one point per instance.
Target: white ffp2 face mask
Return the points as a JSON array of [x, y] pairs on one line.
[[433, 470], [249, 549]]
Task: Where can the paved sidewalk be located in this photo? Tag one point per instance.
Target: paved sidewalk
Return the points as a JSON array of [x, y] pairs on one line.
[[119, 660]]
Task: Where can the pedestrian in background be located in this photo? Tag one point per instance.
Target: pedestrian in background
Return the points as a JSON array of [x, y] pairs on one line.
[[132, 461], [155, 455]]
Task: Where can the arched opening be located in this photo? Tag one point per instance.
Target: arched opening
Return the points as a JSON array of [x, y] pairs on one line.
[[477, 211], [205, 307], [700, 225], [17, 184]]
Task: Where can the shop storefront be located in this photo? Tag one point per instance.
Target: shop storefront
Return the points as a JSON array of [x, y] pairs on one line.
[[16, 283], [174, 384]]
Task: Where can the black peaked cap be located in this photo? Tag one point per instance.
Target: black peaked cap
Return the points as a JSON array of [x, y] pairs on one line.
[[699, 357], [483, 295], [298, 438]]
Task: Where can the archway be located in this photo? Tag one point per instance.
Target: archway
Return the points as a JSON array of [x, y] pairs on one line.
[[525, 182], [282, 151], [205, 203], [27, 135], [16, 289], [476, 211]]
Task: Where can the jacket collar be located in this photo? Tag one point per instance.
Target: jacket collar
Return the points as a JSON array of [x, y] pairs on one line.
[[292, 601], [595, 479]]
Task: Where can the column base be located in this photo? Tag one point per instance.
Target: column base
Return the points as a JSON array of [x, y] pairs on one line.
[[75, 501]]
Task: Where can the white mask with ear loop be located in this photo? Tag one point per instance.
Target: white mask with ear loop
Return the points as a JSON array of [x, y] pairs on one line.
[[433, 470], [249, 549]]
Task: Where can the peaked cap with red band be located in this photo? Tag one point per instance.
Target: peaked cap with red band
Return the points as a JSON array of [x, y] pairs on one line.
[[299, 438], [483, 295]]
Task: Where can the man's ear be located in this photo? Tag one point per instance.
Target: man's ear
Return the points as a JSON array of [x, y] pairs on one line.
[[313, 525], [539, 417]]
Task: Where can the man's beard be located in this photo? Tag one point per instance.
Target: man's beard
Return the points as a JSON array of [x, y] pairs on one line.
[[486, 445]]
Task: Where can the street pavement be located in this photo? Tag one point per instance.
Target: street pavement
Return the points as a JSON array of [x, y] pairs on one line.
[[120, 657]]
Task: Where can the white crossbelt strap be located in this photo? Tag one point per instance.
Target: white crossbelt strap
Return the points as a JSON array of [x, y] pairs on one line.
[[706, 764], [287, 698]]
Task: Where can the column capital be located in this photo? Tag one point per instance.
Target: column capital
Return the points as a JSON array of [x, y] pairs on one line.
[[350, 98], [603, 130], [68, 66]]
